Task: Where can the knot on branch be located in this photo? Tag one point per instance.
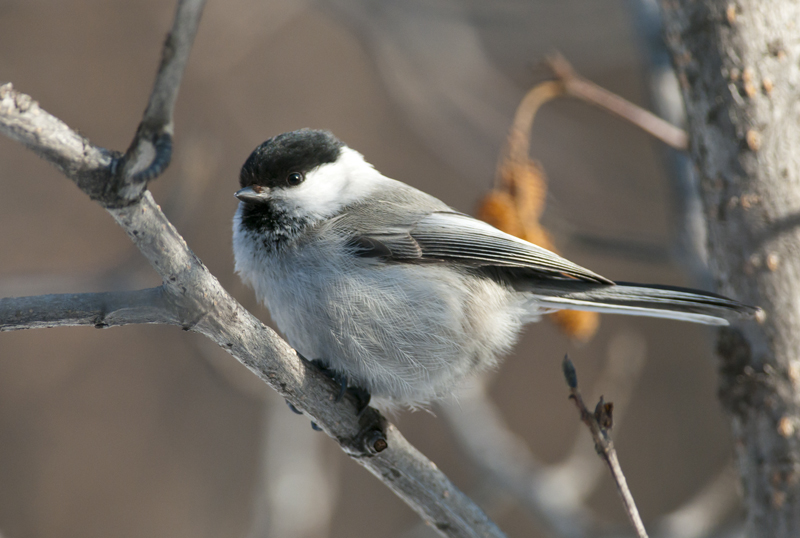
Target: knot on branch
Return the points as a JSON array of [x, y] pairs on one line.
[[371, 438]]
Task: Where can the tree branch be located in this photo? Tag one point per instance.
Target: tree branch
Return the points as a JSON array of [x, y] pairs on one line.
[[23, 120], [150, 151], [599, 423], [195, 300], [555, 494], [739, 66], [107, 309]]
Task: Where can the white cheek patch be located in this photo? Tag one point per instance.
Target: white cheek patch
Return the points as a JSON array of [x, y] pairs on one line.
[[330, 187]]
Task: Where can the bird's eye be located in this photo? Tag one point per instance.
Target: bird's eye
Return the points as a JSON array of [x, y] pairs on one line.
[[295, 178]]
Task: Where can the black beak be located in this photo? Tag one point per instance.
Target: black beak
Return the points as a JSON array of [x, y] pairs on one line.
[[250, 196]]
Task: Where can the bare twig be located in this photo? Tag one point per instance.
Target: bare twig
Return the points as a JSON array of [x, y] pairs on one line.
[[101, 310], [580, 470], [599, 423], [151, 149], [199, 303], [554, 494], [578, 87]]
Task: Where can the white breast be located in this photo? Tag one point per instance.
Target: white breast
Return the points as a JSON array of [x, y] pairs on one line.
[[406, 333]]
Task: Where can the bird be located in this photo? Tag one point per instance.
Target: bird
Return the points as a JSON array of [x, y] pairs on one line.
[[394, 292]]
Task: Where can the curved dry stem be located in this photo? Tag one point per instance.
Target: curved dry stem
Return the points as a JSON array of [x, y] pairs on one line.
[[569, 84], [580, 88], [519, 135]]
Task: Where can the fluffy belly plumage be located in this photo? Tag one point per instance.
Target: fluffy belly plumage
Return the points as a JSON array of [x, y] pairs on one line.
[[402, 332]]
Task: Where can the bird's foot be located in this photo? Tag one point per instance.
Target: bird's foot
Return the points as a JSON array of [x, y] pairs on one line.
[[293, 408], [361, 395]]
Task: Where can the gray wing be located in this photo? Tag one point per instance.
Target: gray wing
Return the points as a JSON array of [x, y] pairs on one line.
[[408, 226], [457, 238]]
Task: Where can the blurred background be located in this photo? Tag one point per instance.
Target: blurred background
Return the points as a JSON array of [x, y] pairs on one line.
[[150, 431]]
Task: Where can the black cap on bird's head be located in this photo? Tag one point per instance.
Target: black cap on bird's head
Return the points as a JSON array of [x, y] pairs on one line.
[[285, 159]]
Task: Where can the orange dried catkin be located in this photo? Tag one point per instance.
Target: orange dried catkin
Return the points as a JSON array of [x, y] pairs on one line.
[[515, 206]]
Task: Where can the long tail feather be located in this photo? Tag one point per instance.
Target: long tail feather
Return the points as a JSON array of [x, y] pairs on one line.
[[642, 300]]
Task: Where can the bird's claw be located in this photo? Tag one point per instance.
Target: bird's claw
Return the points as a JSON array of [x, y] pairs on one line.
[[362, 396]]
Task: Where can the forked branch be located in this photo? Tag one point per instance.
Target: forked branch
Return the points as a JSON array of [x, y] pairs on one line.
[[193, 298]]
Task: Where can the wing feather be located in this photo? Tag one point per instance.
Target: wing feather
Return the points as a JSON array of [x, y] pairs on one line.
[[455, 237], [452, 235]]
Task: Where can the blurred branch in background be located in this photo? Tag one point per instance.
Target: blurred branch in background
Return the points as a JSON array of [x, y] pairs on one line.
[[704, 513], [294, 495], [690, 250], [434, 65], [573, 85], [433, 62], [297, 483]]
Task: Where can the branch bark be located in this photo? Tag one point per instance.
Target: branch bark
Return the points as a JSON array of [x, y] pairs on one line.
[[101, 310], [193, 298], [150, 151], [739, 67]]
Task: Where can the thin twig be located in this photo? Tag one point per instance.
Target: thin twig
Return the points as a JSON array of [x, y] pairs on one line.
[[555, 494], [622, 370], [578, 87], [599, 423], [150, 151]]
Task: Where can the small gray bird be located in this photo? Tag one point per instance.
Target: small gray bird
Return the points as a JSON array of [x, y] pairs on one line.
[[394, 291]]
